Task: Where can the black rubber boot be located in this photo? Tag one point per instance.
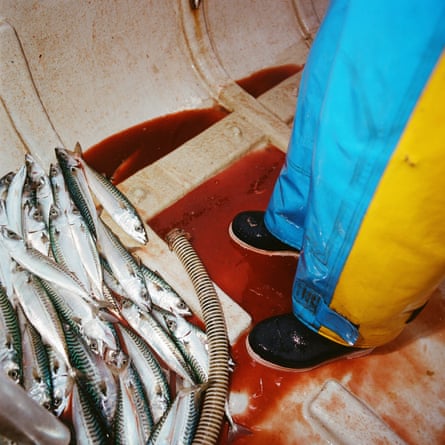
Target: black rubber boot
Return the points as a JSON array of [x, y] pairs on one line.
[[249, 231], [283, 342]]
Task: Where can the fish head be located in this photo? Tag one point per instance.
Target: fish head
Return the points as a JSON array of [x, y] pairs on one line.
[[140, 233], [13, 371]]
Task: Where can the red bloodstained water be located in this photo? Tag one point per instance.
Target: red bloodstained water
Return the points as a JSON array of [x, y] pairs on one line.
[[261, 81], [127, 152], [123, 154], [260, 284], [206, 213]]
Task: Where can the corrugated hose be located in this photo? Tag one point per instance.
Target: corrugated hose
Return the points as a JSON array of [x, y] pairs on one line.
[[212, 413]]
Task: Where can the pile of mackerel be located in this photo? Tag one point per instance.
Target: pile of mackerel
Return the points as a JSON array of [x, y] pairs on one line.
[[89, 331]]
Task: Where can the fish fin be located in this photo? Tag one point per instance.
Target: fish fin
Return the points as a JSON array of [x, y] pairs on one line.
[[136, 257], [78, 149], [105, 315], [235, 431]]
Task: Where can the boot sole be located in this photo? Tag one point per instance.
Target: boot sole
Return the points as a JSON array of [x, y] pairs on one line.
[[290, 253], [262, 361]]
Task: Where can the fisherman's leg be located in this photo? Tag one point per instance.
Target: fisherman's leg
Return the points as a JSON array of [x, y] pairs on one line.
[[373, 246], [279, 230]]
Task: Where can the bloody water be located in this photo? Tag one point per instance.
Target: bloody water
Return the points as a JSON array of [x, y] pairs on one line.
[[261, 81], [262, 286], [123, 154]]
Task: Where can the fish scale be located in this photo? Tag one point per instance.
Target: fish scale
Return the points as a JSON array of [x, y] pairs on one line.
[[78, 188], [36, 371], [153, 378], [131, 425], [115, 203], [93, 375], [10, 340]]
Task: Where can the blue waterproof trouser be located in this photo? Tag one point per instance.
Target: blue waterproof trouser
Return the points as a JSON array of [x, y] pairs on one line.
[[367, 70]]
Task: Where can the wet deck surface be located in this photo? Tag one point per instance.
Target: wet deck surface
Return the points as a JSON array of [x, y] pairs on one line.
[[402, 382]]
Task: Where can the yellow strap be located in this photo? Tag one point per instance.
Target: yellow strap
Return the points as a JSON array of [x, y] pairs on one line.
[[398, 257]]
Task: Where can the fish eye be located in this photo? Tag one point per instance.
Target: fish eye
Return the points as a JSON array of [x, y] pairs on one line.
[[57, 402], [13, 374], [94, 346], [47, 405]]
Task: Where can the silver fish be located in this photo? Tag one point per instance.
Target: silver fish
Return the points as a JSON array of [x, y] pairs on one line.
[[39, 310], [94, 375], [115, 203], [62, 378], [84, 319], [152, 376], [88, 427], [64, 247], [191, 340], [14, 201], [40, 265], [158, 339], [42, 185], [162, 294], [179, 423], [10, 340], [124, 267], [36, 371], [132, 424], [62, 198], [86, 249], [78, 187], [35, 229]]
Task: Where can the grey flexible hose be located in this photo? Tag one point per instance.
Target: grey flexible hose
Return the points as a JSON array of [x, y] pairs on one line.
[[212, 414]]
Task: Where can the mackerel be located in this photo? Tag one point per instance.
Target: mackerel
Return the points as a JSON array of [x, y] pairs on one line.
[[153, 378], [94, 376], [35, 229], [162, 294], [191, 340], [158, 339], [78, 187], [86, 249], [132, 423], [84, 319], [62, 378], [62, 198], [39, 310], [36, 371], [123, 265], [14, 201], [115, 203], [64, 247], [39, 264], [87, 425], [179, 424], [42, 185], [10, 340]]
